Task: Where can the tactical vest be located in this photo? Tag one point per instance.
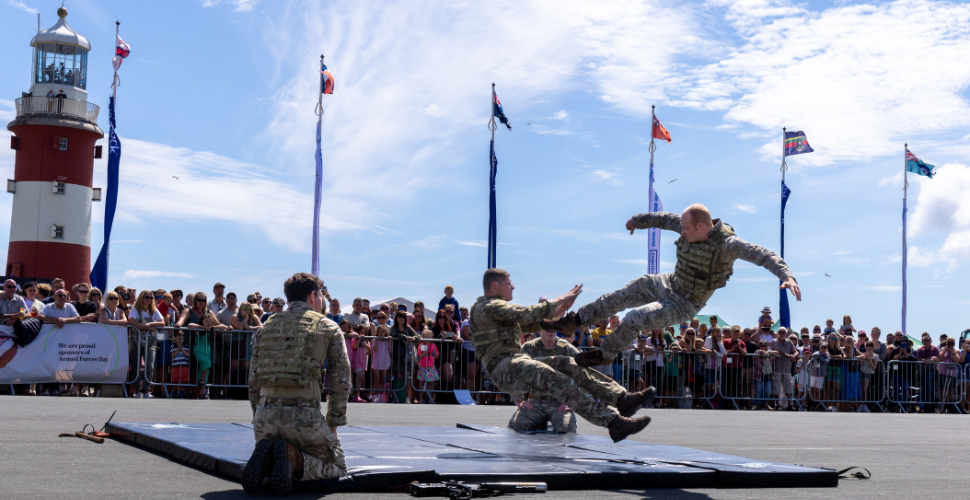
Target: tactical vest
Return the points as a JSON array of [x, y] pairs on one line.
[[482, 336], [285, 350], [698, 271]]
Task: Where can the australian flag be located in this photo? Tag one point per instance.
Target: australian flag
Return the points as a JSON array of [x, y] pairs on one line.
[[917, 166], [498, 112], [796, 143]]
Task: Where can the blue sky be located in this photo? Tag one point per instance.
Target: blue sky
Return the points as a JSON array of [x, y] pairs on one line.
[[221, 94]]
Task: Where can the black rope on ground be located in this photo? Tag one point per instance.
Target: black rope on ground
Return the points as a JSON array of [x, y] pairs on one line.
[[855, 475]]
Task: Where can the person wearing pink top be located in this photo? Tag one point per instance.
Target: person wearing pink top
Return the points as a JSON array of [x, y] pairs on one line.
[[380, 363]]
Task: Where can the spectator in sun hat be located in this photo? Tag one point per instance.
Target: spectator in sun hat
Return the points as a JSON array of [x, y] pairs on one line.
[[765, 315], [218, 302]]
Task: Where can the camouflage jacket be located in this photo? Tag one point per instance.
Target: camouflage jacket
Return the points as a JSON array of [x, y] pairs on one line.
[[732, 249], [535, 349], [496, 326], [328, 346]]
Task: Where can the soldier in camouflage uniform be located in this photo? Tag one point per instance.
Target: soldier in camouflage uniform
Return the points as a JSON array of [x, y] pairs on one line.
[[706, 252], [294, 440], [496, 328], [534, 414]]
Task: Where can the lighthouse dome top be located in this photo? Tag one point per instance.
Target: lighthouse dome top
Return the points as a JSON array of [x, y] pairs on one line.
[[61, 33]]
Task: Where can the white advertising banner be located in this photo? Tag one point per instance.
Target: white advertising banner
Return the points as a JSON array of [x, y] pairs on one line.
[[88, 353]]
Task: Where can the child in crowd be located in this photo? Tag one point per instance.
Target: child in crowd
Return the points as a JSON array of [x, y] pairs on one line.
[[829, 327], [762, 377], [804, 375], [427, 353], [846, 328], [449, 300], [638, 359], [180, 363], [673, 365], [360, 347], [818, 370], [380, 363], [869, 362]]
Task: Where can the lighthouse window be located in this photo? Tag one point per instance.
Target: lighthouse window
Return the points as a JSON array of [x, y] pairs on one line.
[[59, 187], [57, 232], [62, 145], [61, 64]]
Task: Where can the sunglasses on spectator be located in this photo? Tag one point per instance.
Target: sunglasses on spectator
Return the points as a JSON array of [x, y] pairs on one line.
[[112, 298], [816, 341], [82, 291], [200, 300], [10, 286]]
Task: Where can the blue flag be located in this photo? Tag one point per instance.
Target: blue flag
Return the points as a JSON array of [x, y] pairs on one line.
[[917, 166], [783, 309], [498, 112], [796, 143], [492, 233], [99, 275]]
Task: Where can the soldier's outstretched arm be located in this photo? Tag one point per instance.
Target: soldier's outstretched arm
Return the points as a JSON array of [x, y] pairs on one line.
[[528, 318], [662, 220], [253, 381], [765, 258], [338, 371]]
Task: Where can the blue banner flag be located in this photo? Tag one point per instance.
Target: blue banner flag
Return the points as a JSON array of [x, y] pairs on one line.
[[653, 259], [492, 233], [917, 166], [796, 143], [315, 259], [783, 309], [99, 275]]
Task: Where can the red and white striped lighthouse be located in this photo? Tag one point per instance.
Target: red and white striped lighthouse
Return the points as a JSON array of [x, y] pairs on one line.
[[55, 134]]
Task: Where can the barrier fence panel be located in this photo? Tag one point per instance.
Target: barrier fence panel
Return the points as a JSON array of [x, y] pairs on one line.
[[683, 379], [847, 384], [924, 385]]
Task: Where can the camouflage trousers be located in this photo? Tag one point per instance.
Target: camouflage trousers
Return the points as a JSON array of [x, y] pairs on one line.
[[307, 430], [546, 411], [561, 379], [655, 305]]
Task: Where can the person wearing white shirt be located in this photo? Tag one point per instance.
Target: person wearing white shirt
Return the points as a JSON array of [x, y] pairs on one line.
[[144, 316]]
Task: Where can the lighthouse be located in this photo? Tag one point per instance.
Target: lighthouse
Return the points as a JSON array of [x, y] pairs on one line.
[[55, 132]]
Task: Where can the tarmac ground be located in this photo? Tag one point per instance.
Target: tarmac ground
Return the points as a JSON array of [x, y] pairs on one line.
[[909, 455]]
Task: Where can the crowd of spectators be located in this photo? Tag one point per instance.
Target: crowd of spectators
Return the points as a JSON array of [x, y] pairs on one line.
[[186, 346]]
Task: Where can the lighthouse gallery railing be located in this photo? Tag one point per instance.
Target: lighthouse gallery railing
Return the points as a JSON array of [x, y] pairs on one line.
[[52, 106]]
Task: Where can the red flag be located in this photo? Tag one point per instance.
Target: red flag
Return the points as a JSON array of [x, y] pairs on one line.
[[659, 131]]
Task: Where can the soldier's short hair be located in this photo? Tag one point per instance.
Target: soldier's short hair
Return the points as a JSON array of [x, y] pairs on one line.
[[298, 286], [698, 214], [493, 275]]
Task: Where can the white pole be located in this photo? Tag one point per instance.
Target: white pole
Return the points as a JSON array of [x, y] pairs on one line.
[[114, 82], [905, 188]]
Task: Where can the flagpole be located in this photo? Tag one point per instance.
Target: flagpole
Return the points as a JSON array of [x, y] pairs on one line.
[[784, 314], [905, 188], [318, 184], [492, 165]]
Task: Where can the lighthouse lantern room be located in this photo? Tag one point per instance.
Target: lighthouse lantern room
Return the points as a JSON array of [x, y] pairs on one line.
[[55, 132]]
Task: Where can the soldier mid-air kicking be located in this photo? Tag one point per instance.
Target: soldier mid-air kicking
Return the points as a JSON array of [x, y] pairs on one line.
[[496, 332], [706, 251]]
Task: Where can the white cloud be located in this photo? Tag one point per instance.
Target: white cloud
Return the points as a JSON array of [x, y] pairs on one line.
[[854, 78], [942, 205], [892, 180], [841, 252], [472, 243], [603, 175], [560, 115], [746, 208], [133, 274], [240, 5], [212, 187], [399, 122], [22, 6]]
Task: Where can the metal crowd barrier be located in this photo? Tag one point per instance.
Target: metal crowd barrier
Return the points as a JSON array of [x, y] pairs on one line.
[[846, 383], [927, 385]]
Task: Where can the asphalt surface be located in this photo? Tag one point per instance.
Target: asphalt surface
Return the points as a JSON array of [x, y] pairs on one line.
[[910, 456]]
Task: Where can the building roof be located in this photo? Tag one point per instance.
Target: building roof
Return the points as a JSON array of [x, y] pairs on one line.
[[61, 33]]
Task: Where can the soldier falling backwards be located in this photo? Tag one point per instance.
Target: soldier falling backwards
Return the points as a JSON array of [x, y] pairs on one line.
[[706, 251], [496, 327]]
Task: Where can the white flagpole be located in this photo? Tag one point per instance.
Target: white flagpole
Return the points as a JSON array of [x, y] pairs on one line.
[[317, 186], [114, 81]]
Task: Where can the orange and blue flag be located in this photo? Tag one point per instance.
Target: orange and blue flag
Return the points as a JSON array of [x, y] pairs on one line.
[[498, 112], [796, 143], [326, 80]]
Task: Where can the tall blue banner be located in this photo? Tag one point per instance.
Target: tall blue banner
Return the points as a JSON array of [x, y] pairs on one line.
[[315, 261], [99, 275], [783, 310], [492, 237], [653, 262]]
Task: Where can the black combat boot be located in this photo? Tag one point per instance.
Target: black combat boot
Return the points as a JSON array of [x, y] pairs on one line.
[[259, 465], [630, 402], [289, 464], [567, 323], [622, 427], [589, 359]]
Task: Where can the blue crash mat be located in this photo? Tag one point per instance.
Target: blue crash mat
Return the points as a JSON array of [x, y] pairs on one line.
[[384, 458]]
